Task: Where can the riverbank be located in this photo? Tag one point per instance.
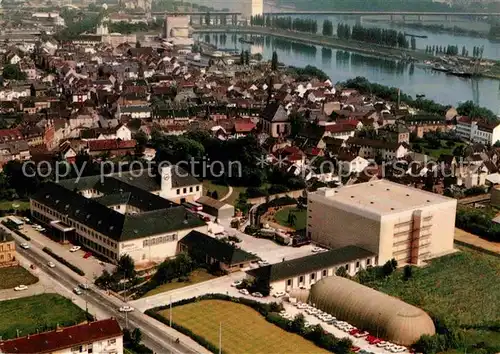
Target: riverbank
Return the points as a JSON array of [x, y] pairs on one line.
[[316, 39], [370, 49]]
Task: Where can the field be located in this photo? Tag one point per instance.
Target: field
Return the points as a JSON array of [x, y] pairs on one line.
[[444, 149], [196, 276], [39, 312], [301, 215], [244, 330], [11, 277], [462, 287], [8, 204], [210, 186]]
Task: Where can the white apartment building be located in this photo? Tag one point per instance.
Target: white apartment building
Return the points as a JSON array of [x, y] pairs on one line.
[[389, 219], [104, 336], [478, 131]]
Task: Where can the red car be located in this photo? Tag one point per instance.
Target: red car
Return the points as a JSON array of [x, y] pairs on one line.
[[375, 341], [87, 255], [353, 331], [355, 349], [369, 338]]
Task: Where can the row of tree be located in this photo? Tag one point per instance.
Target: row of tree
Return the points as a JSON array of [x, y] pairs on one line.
[[387, 37], [327, 28], [448, 50], [286, 23]]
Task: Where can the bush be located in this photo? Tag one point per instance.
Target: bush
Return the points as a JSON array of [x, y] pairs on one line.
[[13, 227], [63, 261]]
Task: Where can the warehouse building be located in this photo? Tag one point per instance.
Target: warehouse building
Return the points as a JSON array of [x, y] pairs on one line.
[[305, 271], [111, 218], [386, 218], [382, 315]]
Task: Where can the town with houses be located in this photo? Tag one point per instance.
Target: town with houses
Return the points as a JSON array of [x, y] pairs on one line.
[[358, 223]]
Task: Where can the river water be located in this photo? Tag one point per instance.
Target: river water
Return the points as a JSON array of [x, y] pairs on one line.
[[341, 65]]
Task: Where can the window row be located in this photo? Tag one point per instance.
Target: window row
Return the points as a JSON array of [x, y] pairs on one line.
[[159, 240]]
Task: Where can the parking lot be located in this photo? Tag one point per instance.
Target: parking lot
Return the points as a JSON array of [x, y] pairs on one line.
[[357, 342], [92, 266]]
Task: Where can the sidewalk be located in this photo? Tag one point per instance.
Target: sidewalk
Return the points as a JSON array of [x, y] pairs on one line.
[[474, 240]]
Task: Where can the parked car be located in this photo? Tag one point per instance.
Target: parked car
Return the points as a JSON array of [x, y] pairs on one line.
[[75, 248], [263, 263], [279, 294], [84, 286], [77, 291], [21, 288], [51, 264], [244, 292], [87, 255], [257, 294], [236, 283], [126, 308], [25, 245], [355, 349]]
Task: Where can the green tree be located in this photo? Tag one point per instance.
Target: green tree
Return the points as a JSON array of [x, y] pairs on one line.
[[13, 72], [207, 18], [126, 267], [247, 57], [242, 58], [136, 336], [407, 272], [342, 272], [274, 61], [297, 325]]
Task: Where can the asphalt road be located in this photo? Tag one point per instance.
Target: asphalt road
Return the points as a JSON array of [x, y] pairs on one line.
[[153, 337]]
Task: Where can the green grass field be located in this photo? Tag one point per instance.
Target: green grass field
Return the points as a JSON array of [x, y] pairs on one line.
[[8, 204], [444, 149], [244, 330], [10, 277], [462, 287], [196, 276], [301, 214], [210, 186], [39, 312]]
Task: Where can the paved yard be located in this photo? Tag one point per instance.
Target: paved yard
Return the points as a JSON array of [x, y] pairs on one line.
[[266, 249], [90, 266]]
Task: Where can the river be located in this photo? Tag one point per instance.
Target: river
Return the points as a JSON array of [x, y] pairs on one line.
[[341, 65]]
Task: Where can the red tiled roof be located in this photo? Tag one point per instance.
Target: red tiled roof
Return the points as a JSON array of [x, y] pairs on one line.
[[110, 144], [465, 120], [68, 337], [243, 127], [338, 128], [10, 134]]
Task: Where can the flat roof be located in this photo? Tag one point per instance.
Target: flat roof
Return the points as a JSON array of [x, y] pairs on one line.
[[382, 197]]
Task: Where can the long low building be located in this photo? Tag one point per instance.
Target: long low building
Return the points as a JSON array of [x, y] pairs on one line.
[[111, 218], [386, 218], [305, 271]]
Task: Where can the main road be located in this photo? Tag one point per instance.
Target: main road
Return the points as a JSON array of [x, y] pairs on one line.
[[157, 336]]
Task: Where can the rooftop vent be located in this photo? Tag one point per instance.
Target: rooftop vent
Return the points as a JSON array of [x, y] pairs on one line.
[[392, 208], [407, 195], [387, 189]]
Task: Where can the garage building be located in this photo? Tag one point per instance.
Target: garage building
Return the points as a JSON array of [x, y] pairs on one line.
[[216, 208]]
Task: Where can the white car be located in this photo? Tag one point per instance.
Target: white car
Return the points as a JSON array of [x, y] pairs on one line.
[[317, 249], [74, 248], [84, 286], [51, 265], [25, 245], [236, 283], [244, 292], [77, 291], [279, 294], [397, 349], [263, 263], [21, 288], [257, 294], [126, 309]]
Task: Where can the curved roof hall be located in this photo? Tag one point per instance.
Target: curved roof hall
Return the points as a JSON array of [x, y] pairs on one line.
[[376, 312]]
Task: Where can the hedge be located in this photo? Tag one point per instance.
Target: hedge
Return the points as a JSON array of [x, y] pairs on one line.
[[13, 228], [63, 261]]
